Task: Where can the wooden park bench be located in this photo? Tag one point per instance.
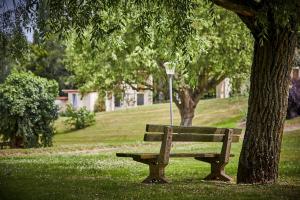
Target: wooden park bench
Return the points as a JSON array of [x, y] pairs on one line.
[[166, 134]]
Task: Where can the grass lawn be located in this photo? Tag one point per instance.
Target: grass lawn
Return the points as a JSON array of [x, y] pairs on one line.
[[82, 164]]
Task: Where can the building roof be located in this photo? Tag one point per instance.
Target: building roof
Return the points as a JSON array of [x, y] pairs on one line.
[[62, 98], [71, 91], [75, 91]]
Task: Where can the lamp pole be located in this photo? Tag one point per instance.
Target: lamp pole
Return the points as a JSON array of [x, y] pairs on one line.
[[171, 99], [170, 70]]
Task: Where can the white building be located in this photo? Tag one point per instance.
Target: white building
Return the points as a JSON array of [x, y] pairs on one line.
[[130, 98], [78, 101], [224, 89]]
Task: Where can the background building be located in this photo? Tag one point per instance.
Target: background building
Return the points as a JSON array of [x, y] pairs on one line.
[[224, 89], [78, 100], [130, 98]]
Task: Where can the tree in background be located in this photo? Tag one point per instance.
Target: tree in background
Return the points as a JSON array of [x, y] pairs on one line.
[[13, 43], [46, 59], [42, 56], [27, 110], [13, 47], [214, 53]]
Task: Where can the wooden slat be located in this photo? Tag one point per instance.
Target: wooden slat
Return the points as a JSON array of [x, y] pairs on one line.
[[177, 155], [190, 137], [209, 155], [193, 129], [198, 155], [139, 155], [225, 152]]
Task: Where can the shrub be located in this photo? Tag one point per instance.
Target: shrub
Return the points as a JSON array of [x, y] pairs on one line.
[[80, 118], [27, 110], [294, 100]]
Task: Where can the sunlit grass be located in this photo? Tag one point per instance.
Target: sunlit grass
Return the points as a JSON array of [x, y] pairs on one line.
[[128, 126]]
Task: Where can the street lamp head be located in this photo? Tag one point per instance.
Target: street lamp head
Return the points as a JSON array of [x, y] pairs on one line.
[[170, 68]]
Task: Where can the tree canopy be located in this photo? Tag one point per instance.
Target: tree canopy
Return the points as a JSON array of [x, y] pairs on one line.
[[214, 53]]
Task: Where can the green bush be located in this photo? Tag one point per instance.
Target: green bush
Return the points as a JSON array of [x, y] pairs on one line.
[[27, 110], [80, 118]]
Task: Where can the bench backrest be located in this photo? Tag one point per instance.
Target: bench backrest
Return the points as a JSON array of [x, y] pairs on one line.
[[191, 134], [167, 134]]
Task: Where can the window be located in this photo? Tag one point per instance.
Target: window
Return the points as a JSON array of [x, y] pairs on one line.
[[140, 99], [74, 100]]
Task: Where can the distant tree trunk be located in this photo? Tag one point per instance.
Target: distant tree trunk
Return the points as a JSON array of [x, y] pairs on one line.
[[187, 115], [270, 79], [189, 98], [186, 105], [16, 142]]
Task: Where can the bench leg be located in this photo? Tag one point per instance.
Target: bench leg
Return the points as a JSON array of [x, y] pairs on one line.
[[156, 174], [217, 170], [156, 171]]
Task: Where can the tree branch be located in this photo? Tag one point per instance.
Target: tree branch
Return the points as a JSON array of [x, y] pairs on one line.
[[239, 8], [145, 85]]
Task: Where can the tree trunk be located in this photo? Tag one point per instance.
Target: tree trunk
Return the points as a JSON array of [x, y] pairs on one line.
[[270, 79], [16, 142], [186, 107], [187, 115]]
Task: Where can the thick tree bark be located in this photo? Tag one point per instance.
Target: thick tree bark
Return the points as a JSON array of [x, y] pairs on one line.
[[270, 79]]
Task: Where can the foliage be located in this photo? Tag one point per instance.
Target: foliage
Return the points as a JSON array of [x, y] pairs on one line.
[[46, 59], [294, 100], [13, 47], [80, 118], [122, 52], [120, 58], [100, 104], [27, 109]]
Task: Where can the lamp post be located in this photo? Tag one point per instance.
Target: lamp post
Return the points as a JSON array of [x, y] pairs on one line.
[[170, 70]]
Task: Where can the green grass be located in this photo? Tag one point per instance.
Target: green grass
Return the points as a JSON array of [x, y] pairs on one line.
[[127, 126], [82, 164]]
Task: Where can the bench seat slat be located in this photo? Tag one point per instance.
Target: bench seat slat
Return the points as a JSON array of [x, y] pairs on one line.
[[190, 137], [155, 155], [193, 129]]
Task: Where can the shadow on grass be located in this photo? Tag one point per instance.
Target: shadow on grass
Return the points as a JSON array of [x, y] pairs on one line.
[[82, 187]]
